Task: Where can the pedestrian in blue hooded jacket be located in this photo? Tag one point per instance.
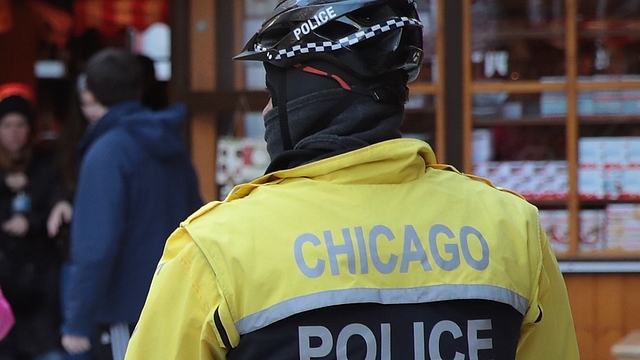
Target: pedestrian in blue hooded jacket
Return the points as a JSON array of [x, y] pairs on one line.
[[136, 184]]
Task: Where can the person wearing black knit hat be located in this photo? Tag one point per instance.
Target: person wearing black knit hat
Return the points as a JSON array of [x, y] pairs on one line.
[[16, 104], [29, 260], [356, 243]]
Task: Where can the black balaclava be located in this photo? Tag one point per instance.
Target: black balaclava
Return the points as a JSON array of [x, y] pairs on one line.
[[328, 111]]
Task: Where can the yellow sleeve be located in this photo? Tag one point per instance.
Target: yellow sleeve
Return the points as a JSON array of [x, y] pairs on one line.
[[552, 336], [177, 319]]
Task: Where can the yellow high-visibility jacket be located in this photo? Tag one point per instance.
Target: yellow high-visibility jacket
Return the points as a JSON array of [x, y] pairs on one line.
[[379, 253]]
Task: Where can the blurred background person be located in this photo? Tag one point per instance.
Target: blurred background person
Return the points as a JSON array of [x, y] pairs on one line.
[[136, 183], [7, 319], [29, 261], [154, 97]]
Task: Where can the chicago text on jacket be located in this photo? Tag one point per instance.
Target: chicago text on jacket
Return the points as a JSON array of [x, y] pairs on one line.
[[406, 249]]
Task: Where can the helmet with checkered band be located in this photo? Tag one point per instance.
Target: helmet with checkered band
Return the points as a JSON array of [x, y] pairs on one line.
[[369, 37]]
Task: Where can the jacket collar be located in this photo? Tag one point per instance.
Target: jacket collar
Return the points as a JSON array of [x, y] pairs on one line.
[[388, 162]]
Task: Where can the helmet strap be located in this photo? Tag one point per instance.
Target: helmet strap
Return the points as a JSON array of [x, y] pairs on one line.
[[280, 92]]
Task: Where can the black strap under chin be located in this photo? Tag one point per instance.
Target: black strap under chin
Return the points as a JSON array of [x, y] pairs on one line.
[[281, 103]]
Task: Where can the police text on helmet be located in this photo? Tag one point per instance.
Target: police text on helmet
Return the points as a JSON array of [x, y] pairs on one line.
[[322, 17]]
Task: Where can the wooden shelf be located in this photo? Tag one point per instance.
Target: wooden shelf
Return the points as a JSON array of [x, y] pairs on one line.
[[515, 87], [549, 204], [582, 85], [524, 121], [604, 202], [601, 255], [609, 119], [518, 29], [482, 121], [229, 101], [423, 88], [585, 204], [609, 27]]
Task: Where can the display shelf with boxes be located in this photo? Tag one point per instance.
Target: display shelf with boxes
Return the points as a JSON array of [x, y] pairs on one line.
[[554, 113]]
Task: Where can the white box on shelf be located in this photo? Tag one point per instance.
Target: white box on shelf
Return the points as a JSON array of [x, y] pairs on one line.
[[502, 171], [607, 102], [512, 110], [239, 160], [553, 103], [632, 151], [482, 145], [592, 230], [630, 183], [614, 161], [590, 151], [614, 151], [547, 221], [558, 187], [630, 97], [591, 182], [613, 176], [482, 169], [560, 237], [623, 226], [585, 103], [631, 102]]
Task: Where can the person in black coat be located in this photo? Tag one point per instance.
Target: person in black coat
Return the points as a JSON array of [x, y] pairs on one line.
[[29, 260]]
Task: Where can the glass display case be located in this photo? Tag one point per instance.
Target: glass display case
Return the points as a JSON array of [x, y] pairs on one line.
[[552, 110]]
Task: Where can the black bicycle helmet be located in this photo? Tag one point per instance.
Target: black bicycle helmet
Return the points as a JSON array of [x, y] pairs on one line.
[[369, 37]]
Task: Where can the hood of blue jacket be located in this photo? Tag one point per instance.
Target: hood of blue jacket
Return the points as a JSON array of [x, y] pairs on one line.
[[157, 131]]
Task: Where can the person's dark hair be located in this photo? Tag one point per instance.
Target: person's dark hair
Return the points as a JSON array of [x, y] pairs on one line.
[[154, 95], [114, 76]]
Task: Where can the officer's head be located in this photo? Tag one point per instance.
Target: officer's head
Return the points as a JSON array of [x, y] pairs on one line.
[[368, 37], [361, 41], [336, 66]]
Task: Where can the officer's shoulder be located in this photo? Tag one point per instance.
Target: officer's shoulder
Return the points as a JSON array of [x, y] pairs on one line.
[[202, 211], [479, 185]]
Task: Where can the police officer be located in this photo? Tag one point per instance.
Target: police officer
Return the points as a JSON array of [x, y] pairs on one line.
[[356, 244]]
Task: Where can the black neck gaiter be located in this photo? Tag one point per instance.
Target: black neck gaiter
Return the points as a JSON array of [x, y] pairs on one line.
[[328, 123]]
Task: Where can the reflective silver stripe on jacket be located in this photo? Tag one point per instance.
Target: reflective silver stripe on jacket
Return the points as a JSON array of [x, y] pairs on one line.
[[416, 295]]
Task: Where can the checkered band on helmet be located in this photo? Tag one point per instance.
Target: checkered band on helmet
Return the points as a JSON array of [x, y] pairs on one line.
[[370, 37]]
